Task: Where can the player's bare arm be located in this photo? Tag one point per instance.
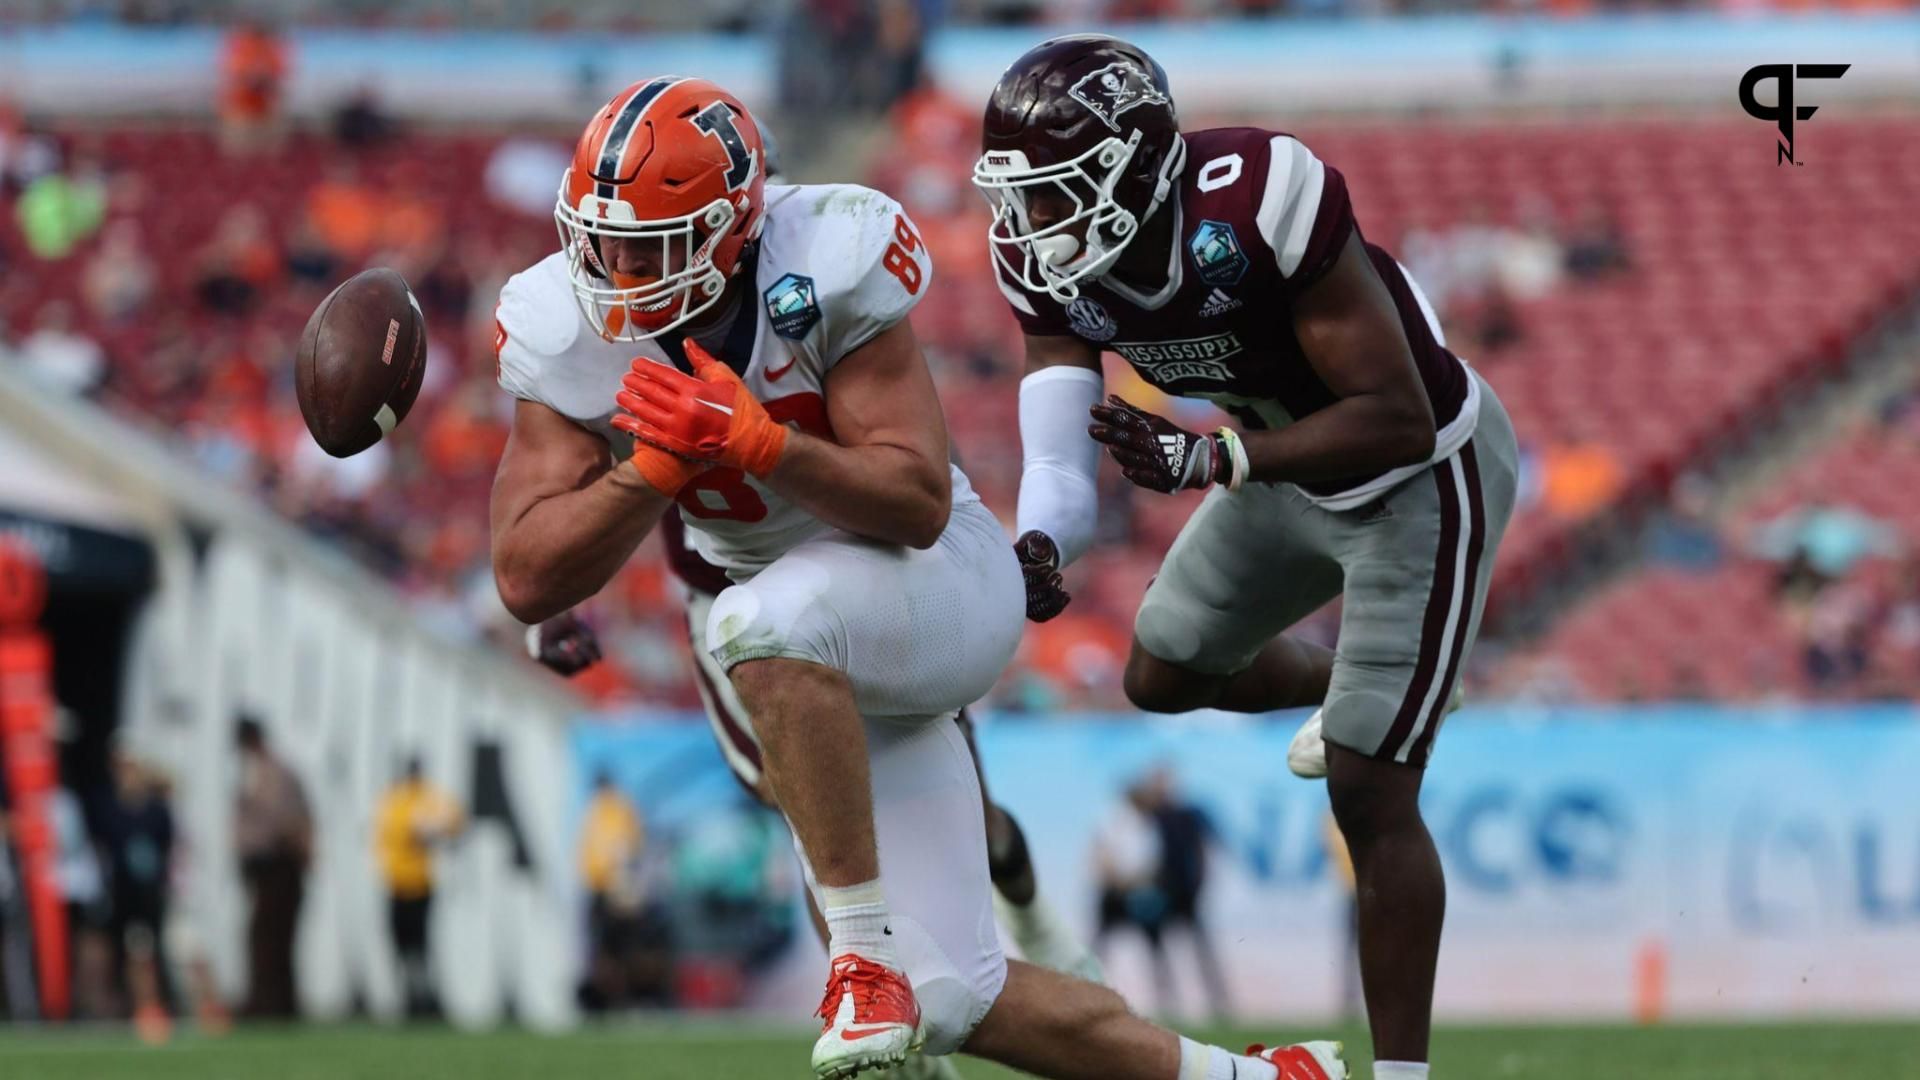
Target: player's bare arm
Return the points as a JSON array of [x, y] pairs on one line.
[[885, 475], [564, 517], [1349, 329], [1045, 351]]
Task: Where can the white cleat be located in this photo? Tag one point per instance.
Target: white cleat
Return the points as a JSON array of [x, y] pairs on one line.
[[1307, 753], [871, 1019], [1305, 1061]]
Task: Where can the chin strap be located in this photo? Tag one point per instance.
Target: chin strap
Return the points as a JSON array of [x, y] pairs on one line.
[[1170, 170]]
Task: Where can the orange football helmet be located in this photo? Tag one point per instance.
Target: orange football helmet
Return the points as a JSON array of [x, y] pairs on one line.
[[673, 160]]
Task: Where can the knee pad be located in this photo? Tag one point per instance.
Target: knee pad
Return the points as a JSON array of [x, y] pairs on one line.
[[1165, 629], [954, 996]]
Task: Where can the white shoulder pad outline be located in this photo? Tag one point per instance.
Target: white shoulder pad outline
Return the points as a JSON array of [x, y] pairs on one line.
[[537, 309], [1291, 201], [860, 296]]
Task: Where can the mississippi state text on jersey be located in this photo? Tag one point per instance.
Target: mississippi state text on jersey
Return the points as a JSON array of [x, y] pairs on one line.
[[1257, 219]]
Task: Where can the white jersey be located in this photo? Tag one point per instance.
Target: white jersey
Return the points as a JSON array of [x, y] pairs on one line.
[[837, 264]]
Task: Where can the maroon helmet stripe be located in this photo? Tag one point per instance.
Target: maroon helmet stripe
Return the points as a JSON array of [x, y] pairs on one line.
[[1476, 545], [1434, 626]]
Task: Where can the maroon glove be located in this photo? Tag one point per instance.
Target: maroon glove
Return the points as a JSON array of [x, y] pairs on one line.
[[1155, 452], [564, 644], [1040, 564]]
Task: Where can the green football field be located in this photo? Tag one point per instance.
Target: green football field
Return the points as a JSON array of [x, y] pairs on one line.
[[705, 1049]]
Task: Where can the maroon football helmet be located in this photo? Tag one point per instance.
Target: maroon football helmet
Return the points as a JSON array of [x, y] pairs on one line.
[[1089, 119]]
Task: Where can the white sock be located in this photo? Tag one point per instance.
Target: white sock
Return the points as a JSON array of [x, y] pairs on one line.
[[1399, 1070], [1198, 1061], [857, 922]]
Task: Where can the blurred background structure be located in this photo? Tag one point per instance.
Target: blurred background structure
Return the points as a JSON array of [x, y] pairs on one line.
[[1687, 765]]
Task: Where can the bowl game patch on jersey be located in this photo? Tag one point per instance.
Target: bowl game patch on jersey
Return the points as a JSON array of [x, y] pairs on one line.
[[792, 305]]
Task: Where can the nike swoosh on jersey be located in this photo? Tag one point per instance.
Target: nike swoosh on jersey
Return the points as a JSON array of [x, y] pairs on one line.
[[773, 375]]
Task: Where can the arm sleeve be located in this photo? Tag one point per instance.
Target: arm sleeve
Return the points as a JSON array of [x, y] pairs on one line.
[[1304, 214], [1057, 489]]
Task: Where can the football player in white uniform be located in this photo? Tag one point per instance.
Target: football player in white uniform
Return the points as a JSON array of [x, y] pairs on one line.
[[754, 364]]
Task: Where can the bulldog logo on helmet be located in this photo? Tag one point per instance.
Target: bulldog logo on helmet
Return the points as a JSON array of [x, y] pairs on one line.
[[1113, 90]]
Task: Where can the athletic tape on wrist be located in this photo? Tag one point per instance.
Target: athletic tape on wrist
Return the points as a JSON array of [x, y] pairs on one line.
[[1237, 453]]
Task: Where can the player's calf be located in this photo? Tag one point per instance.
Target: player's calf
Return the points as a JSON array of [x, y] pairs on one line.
[[1060, 1027]]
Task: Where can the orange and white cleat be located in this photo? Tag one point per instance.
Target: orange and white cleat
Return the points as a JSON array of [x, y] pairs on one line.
[[871, 1019], [1305, 1061]]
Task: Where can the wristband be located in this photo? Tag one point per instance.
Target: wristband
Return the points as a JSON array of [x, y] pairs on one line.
[[1237, 455]]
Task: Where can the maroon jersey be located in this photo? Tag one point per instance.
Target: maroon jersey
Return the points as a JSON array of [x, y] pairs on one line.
[[1258, 219], [687, 565]]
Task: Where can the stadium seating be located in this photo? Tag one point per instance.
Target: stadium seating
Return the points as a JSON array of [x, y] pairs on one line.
[[1732, 631], [1649, 368]]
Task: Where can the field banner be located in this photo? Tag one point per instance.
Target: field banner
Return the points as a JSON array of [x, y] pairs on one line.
[[1601, 863]]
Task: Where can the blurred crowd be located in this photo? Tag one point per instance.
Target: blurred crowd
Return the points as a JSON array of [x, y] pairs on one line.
[[167, 274], [1810, 591], [733, 16]]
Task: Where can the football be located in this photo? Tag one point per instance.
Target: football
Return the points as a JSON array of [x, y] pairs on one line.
[[361, 361]]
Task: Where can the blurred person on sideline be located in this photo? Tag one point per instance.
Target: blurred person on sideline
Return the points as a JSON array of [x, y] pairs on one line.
[[413, 819], [1185, 833], [18, 999], [273, 837], [82, 884], [253, 71], [1126, 863], [141, 861], [182, 928], [612, 838]]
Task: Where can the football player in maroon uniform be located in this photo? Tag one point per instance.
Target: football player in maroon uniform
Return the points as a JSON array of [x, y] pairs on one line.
[[1369, 461]]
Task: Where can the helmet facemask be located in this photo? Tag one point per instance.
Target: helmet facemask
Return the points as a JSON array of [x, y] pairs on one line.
[[627, 309], [1052, 259]]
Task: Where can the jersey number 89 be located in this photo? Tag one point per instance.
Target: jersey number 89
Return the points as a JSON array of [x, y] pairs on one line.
[[899, 257]]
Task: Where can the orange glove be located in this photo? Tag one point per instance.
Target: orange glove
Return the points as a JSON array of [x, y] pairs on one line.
[[662, 471], [709, 417]]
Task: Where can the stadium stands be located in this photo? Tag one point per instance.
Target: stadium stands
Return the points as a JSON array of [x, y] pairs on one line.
[[1620, 367]]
